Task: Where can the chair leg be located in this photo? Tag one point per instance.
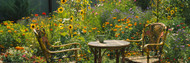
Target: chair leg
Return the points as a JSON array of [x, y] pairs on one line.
[[142, 53], [160, 56], [148, 57], [76, 55]]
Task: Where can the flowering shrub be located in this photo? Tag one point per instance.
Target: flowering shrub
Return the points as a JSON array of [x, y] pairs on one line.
[[177, 47], [20, 54]]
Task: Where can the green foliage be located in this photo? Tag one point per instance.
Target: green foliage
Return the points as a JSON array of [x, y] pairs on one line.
[[176, 47], [144, 4], [14, 9], [21, 55]]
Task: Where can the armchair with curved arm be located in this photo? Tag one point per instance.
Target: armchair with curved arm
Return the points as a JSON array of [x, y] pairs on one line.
[[45, 45], [154, 42]]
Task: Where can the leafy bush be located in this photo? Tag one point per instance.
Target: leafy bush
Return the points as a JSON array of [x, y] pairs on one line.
[[177, 47], [14, 9], [20, 54]]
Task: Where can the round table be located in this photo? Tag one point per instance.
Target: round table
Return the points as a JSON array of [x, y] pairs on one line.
[[116, 45]]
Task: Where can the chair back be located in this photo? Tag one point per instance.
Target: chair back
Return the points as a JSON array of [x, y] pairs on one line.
[[43, 41], [154, 33]]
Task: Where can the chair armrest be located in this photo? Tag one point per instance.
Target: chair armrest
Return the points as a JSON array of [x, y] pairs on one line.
[[153, 44], [134, 40], [146, 47], [65, 50], [66, 45]]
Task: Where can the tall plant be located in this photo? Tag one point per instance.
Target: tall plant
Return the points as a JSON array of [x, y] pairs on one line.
[[14, 9]]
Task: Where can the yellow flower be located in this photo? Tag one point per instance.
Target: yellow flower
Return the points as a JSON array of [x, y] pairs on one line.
[[60, 10], [136, 16], [128, 19], [81, 12], [175, 9], [114, 29], [9, 31], [60, 20], [33, 20], [94, 28], [27, 17], [130, 28], [135, 23], [168, 9], [61, 27], [84, 31], [129, 24], [84, 27], [89, 7], [71, 18], [98, 31], [11, 24], [5, 23], [32, 26], [124, 23], [114, 17], [122, 20], [75, 33], [63, 1], [78, 0], [182, 5], [70, 26], [122, 32], [23, 17], [12, 21], [111, 24], [147, 21], [116, 26], [169, 17], [172, 12], [82, 17], [1, 31], [106, 23], [8, 27], [12, 28], [15, 31]]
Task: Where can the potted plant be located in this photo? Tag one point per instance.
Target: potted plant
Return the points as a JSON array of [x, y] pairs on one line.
[[100, 37]]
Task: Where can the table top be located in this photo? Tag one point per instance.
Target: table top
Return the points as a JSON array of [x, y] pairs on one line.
[[109, 43]]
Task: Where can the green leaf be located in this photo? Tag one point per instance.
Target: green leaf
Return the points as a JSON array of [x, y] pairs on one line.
[[64, 33], [89, 51]]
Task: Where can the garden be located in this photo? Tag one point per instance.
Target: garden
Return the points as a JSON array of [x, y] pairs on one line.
[[80, 21]]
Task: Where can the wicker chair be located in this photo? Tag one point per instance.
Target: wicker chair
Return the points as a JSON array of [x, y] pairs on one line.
[[154, 35], [45, 45]]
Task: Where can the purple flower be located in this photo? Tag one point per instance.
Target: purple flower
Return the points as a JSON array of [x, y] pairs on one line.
[[116, 10], [182, 46], [135, 0]]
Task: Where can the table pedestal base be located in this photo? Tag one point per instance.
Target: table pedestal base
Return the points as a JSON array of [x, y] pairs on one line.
[[98, 56]]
